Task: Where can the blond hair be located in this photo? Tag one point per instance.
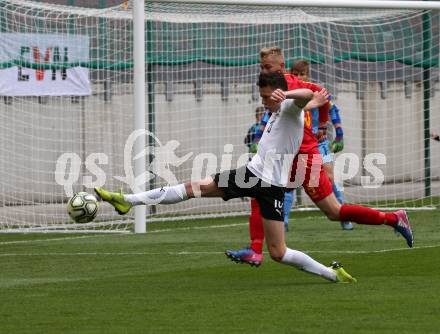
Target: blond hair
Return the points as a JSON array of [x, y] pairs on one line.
[[271, 51]]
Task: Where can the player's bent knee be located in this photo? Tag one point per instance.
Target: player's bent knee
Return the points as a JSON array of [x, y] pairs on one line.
[[331, 178], [333, 215], [203, 188], [330, 207], [276, 253], [328, 167], [276, 257]]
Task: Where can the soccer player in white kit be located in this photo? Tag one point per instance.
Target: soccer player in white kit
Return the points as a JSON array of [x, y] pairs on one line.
[[263, 178]]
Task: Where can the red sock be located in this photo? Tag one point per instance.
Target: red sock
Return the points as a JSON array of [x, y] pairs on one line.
[[256, 228], [363, 215]]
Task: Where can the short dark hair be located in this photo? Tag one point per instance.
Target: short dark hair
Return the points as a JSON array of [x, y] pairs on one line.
[[259, 110], [300, 66], [274, 80]]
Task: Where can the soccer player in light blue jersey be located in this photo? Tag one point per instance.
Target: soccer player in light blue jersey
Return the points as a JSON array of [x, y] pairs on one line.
[[301, 69], [251, 137]]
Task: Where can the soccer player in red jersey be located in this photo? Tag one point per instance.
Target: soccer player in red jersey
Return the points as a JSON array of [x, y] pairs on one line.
[[301, 69], [315, 181]]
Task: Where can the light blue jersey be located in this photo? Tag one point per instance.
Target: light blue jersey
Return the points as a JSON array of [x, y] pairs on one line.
[[324, 146]]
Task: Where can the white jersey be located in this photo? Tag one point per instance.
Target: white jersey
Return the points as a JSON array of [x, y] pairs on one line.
[[279, 145]]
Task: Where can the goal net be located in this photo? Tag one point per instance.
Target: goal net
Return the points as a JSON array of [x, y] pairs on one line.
[[66, 108]]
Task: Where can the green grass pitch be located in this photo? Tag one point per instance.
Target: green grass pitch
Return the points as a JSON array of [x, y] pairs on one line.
[[176, 279]]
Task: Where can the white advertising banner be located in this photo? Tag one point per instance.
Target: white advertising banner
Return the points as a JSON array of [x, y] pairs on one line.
[[44, 49]]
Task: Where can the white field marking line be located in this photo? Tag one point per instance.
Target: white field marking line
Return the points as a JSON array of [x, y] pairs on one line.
[[111, 254], [204, 252], [220, 226], [196, 228], [373, 251], [107, 235], [49, 239], [38, 281]]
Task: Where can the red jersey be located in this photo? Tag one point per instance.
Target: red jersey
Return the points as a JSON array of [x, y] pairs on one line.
[[294, 83], [309, 141]]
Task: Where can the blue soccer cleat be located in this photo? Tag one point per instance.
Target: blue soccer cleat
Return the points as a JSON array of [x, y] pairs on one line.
[[245, 255], [347, 226], [403, 227]]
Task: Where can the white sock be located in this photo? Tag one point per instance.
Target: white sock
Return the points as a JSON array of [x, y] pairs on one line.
[[306, 263], [164, 195]]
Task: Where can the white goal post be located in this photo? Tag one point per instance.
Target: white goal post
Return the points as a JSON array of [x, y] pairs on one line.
[[140, 211], [75, 83]]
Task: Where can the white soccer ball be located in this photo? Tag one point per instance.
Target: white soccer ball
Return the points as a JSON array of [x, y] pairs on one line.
[[82, 207]]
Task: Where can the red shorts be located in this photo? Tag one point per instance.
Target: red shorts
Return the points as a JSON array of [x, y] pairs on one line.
[[308, 172]]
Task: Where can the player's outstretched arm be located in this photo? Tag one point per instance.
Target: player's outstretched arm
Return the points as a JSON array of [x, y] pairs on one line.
[[301, 96]]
